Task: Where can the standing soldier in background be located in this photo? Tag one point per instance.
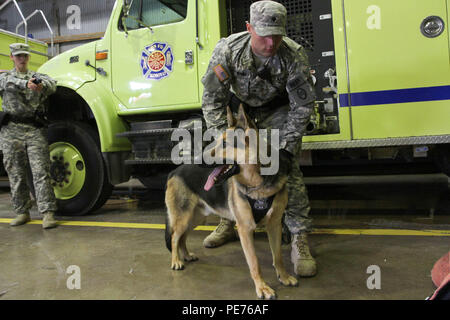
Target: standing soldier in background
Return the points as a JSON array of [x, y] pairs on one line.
[[23, 137], [269, 73]]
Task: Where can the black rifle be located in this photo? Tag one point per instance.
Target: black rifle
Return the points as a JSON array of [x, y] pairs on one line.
[[37, 79]]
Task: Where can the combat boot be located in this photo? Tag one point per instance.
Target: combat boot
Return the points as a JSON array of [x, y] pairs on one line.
[[224, 233], [20, 219], [49, 220], [304, 263]]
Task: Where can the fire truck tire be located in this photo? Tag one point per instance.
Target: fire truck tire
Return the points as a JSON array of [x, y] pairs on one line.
[[77, 170]]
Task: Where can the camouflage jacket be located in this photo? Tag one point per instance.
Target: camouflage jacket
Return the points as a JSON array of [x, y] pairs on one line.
[[17, 99], [232, 66]]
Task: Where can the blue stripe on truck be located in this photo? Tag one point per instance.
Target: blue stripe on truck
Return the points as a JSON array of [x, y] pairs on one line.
[[395, 96]]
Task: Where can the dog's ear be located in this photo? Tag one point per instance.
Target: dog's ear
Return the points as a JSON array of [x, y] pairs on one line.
[[242, 119], [230, 119]]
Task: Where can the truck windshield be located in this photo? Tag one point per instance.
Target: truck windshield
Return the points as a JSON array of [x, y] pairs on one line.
[[155, 12]]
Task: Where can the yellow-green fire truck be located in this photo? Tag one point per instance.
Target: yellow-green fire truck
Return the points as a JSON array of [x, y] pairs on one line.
[[381, 72]]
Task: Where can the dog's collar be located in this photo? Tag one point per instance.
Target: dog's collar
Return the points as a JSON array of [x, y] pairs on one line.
[[267, 180], [248, 190]]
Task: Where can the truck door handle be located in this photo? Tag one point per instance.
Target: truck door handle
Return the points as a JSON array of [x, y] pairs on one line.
[[188, 57]]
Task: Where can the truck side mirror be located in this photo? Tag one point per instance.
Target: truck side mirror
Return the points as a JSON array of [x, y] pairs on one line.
[[126, 7], [126, 10]]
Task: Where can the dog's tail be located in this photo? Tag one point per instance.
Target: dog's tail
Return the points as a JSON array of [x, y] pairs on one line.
[[168, 235]]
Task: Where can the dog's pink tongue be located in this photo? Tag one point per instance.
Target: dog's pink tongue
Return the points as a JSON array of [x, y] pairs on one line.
[[210, 182]]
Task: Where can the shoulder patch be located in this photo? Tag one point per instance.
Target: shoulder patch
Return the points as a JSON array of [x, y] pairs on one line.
[[220, 72]]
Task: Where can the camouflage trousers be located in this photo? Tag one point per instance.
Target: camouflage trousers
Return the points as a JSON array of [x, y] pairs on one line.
[[296, 215], [23, 147]]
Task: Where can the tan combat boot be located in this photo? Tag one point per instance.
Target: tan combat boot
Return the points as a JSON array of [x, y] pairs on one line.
[[224, 233], [304, 263], [49, 220], [20, 219]]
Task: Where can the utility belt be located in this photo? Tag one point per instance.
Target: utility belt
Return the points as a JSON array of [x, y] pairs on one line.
[[278, 101], [37, 121]]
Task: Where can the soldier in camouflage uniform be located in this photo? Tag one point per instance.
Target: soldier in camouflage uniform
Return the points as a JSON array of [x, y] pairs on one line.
[[24, 138], [270, 74]]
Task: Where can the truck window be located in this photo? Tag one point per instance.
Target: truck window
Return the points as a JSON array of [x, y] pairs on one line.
[[155, 12]]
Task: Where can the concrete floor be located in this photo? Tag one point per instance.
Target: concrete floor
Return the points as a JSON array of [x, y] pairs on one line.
[[133, 263]]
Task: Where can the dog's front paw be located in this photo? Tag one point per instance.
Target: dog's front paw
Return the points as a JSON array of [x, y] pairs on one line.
[[190, 257], [288, 281], [265, 292], [177, 265]]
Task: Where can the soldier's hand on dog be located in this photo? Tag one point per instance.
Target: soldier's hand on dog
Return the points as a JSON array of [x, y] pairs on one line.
[[33, 86]]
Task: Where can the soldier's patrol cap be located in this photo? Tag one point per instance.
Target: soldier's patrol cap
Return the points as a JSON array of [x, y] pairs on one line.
[[268, 18], [19, 48]]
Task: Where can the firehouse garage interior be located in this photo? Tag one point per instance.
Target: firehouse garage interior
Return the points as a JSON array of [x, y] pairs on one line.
[[375, 155]]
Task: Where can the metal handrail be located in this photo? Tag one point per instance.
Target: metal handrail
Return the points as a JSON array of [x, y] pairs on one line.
[[46, 22], [21, 15]]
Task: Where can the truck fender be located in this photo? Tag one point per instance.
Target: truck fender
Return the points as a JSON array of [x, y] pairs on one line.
[[108, 122]]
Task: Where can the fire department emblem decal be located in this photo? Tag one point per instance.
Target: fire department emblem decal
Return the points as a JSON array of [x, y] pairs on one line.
[[157, 61]]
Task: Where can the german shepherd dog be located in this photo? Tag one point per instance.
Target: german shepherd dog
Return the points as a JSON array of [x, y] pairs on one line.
[[193, 192]]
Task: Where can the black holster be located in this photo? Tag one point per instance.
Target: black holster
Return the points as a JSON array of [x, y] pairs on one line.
[[4, 118]]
